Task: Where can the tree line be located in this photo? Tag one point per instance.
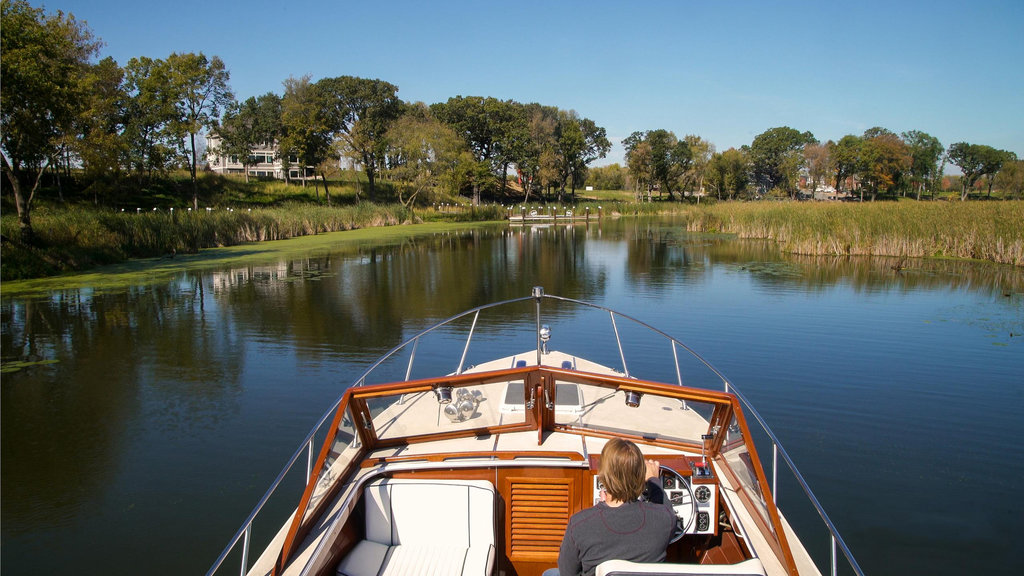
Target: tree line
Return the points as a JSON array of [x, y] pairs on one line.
[[61, 109], [782, 161]]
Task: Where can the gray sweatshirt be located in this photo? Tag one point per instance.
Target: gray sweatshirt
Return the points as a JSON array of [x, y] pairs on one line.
[[636, 531]]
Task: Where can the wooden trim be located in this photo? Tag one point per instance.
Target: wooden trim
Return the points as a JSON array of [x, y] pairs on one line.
[[537, 379], [297, 531], [623, 383], [773, 511], [496, 455]]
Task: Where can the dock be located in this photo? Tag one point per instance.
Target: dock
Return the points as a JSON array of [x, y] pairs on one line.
[[535, 217]]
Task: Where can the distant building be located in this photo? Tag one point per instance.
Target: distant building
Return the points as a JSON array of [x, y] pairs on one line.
[[264, 162]]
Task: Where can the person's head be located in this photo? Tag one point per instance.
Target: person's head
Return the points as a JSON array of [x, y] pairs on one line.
[[622, 470]]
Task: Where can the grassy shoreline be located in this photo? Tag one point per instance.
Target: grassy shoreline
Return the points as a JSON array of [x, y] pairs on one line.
[[990, 231], [76, 239]]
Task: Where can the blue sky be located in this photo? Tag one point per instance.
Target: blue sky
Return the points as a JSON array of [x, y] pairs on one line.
[[725, 70]]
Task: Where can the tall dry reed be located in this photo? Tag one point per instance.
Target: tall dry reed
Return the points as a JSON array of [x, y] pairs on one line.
[[991, 231]]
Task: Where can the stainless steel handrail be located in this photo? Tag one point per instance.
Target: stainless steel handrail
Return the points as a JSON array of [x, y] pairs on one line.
[[245, 532]]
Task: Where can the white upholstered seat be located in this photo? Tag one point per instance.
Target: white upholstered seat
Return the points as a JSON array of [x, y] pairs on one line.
[[752, 567], [425, 527]]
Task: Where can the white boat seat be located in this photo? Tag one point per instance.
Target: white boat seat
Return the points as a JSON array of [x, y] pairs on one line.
[[752, 567], [425, 527]]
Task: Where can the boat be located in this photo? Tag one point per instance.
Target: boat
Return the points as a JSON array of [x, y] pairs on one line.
[[429, 464]]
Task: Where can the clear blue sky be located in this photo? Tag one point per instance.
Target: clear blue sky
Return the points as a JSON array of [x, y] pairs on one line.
[[725, 70]]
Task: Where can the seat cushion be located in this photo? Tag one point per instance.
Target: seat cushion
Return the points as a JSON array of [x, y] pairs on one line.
[[413, 560], [752, 567], [449, 513], [425, 527], [364, 560]]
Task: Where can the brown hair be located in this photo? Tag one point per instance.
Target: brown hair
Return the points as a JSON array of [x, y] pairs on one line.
[[622, 470]]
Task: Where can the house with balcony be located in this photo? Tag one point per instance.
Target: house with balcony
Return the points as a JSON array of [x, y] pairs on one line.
[[264, 162]]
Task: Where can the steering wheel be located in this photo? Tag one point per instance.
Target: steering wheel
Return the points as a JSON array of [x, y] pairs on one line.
[[680, 495]]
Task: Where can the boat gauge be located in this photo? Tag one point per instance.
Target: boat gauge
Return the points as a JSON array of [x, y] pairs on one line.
[[702, 494]]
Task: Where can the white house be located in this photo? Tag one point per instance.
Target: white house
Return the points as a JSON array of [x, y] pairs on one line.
[[264, 162]]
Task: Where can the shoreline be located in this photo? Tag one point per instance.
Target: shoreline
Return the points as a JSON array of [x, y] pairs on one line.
[[85, 242]]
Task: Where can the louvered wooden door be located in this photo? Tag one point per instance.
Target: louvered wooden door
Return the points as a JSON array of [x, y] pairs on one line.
[[537, 512]]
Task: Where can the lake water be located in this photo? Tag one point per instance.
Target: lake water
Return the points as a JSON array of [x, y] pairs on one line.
[[158, 410]]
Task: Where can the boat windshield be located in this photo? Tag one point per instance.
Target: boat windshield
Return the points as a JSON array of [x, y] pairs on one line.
[[343, 449], [655, 417], [470, 407]]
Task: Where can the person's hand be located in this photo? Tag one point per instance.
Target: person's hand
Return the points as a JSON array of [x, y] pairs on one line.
[[653, 469]]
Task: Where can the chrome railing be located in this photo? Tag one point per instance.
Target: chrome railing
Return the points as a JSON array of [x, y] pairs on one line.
[[244, 534]]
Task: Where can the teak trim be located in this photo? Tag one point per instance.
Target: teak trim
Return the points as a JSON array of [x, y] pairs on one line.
[[536, 379]]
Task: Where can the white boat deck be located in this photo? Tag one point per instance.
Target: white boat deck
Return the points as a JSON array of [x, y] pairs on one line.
[[421, 414]]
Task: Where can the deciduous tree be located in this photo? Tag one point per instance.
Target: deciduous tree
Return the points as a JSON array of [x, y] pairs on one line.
[[359, 112], [925, 153], [1010, 179], [670, 157], [426, 153], [200, 89], [150, 112], [816, 159], [884, 161], [994, 160], [45, 58], [729, 172], [306, 130], [844, 158], [100, 144], [473, 118], [702, 151], [970, 158], [777, 156]]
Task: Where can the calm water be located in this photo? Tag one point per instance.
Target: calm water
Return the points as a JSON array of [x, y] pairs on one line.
[[172, 404]]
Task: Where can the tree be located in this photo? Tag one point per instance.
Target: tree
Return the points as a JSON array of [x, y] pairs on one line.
[[669, 158], [993, 162], [200, 88], [971, 159], [306, 130], [610, 177], [925, 153], [478, 121], [816, 159], [426, 153], [1010, 179], [702, 151], [640, 167], [777, 156], [844, 159], [595, 145], [45, 59], [729, 172], [884, 160], [359, 112], [534, 154], [149, 115], [100, 144]]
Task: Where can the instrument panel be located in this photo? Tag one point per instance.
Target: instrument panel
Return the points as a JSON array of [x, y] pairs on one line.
[[692, 494]]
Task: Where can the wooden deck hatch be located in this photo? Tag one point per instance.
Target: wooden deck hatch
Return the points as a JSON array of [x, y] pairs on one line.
[[539, 510]]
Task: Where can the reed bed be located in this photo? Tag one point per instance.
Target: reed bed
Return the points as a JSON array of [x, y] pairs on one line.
[[81, 238], [992, 231]]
